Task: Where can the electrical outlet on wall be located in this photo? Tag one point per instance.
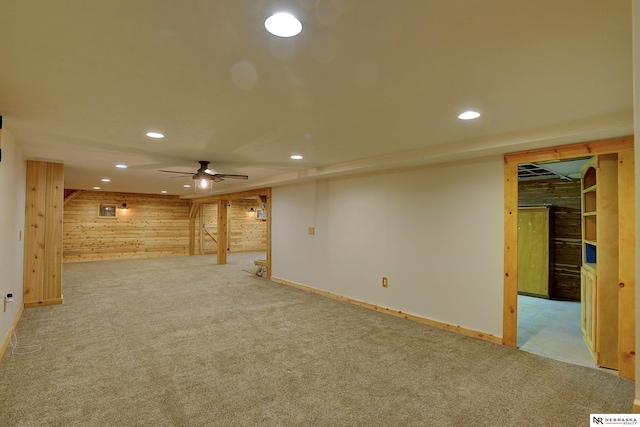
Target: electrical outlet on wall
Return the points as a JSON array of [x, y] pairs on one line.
[[8, 298], [385, 282]]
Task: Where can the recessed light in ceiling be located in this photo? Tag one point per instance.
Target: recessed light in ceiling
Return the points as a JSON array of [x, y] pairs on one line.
[[105, 180], [186, 186], [164, 191], [155, 135], [96, 188], [283, 25], [469, 115], [121, 166], [297, 157]]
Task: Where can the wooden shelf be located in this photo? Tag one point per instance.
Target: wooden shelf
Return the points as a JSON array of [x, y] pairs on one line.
[[590, 189], [591, 242], [589, 213]]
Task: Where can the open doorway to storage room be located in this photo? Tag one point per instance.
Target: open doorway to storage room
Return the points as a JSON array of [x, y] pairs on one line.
[[547, 229], [549, 260]]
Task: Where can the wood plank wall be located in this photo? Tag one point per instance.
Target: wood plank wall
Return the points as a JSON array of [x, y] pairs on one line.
[[43, 234], [565, 253], [153, 226], [246, 233], [210, 221]]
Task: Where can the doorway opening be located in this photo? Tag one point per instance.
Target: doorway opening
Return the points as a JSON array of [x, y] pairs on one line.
[[620, 288], [549, 258]]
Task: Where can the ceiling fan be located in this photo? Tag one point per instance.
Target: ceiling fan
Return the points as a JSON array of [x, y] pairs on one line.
[[204, 176]]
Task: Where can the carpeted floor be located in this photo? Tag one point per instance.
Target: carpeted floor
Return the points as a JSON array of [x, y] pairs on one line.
[[184, 342]]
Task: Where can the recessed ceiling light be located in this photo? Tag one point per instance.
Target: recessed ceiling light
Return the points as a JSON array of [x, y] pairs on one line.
[[164, 191], [283, 25], [469, 115], [121, 166], [186, 186], [96, 188], [155, 135], [297, 157], [105, 180]]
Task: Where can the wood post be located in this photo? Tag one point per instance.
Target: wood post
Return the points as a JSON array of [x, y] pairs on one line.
[[510, 296], [223, 232], [43, 234]]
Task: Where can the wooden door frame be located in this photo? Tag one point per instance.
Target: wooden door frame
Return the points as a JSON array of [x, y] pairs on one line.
[[223, 200], [626, 367]]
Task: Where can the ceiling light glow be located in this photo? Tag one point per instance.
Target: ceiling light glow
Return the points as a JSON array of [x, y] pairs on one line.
[[164, 191], [105, 180], [121, 166], [283, 25], [155, 135], [186, 186], [469, 115], [203, 183], [297, 157], [96, 188]]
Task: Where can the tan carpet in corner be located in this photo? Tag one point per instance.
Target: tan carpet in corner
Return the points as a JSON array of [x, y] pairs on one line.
[[184, 342]]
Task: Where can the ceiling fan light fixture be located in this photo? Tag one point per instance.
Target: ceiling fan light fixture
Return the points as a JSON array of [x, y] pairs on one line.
[[283, 24], [203, 183]]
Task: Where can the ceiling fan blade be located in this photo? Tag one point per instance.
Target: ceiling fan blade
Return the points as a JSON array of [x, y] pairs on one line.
[[184, 173], [231, 176]]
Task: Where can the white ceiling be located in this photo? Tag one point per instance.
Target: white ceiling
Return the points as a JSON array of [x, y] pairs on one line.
[[368, 84]]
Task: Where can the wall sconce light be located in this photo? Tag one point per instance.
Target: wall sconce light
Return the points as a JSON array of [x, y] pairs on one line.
[[252, 211], [124, 206]]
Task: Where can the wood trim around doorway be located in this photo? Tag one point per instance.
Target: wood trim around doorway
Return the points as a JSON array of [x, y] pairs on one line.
[[222, 200], [627, 362]]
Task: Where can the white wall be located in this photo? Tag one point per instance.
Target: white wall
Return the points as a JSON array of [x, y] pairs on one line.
[[435, 232], [12, 198]]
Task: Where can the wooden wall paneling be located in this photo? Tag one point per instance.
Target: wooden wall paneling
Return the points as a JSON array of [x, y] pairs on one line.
[[246, 232], [52, 283], [223, 237], [152, 226], [201, 231], [510, 296], [34, 235], [193, 212], [627, 280], [210, 228]]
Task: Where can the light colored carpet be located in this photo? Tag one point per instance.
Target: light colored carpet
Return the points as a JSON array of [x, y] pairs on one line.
[[183, 342]]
